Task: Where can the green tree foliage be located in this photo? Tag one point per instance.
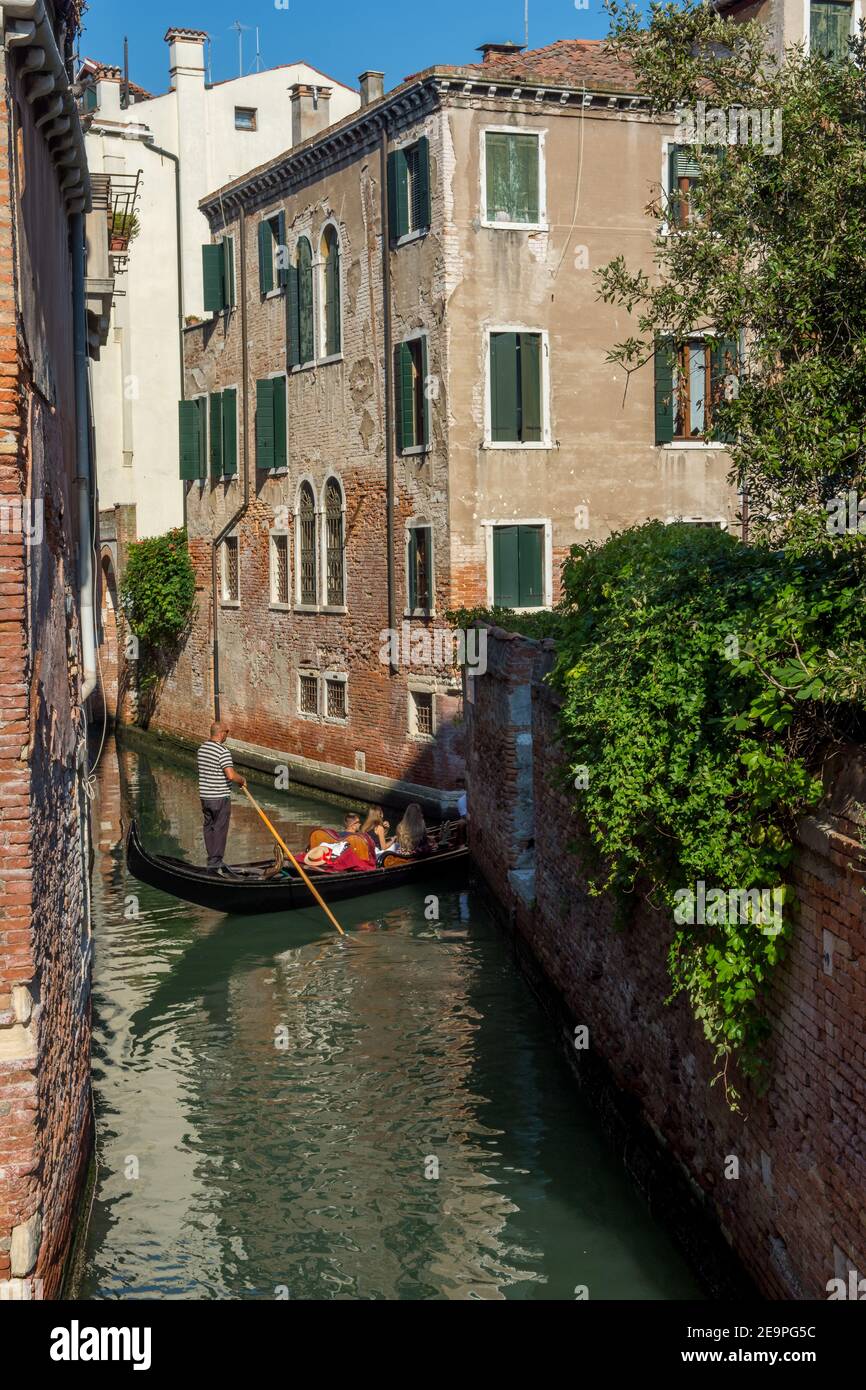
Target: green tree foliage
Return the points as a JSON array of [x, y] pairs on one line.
[[701, 677], [158, 589], [774, 247]]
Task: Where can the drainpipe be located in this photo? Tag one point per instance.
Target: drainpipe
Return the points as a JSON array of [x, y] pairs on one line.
[[389, 415], [83, 468], [245, 414]]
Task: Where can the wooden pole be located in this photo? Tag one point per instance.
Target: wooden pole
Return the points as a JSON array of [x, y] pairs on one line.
[[284, 847]]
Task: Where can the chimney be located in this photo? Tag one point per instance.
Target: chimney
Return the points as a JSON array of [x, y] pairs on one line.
[[185, 55], [372, 86], [491, 51], [311, 110]]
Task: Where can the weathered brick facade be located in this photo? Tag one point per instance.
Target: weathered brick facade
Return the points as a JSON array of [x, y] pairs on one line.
[[794, 1213], [597, 467], [45, 1109]]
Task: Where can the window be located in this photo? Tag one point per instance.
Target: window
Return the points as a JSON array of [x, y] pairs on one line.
[[412, 408], [230, 576], [683, 175], [829, 27], [409, 189], [516, 388], [335, 698], [420, 569], [691, 379], [192, 423], [224, 433], [245, 118], [330, 285], [308, 579], [334, 544], [308, 693], [272, 253], [512, 178], [279, 568], [218, 275], [421, 713], [301, 336], [271, 432], [518, 566]]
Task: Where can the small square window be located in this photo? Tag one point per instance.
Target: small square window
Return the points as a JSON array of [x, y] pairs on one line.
[[335, 698], [421, 713], [245, 118], [231, 583], [308, 694], [279, 569]]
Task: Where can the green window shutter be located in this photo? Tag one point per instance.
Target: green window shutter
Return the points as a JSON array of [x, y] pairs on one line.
[[413, 567], [201, 435], [280, 432], [496, 158], [190, 449], [293, 317], [213, 276], [421, 211], [524, 155], [216, 434], [529, 349], [265, 424], [229, 268], [281, 249], [425, 426], [332, 275], [305, 301], [503, 387], [829, 27], [664, 390], [404, 387], [230, 431], [682, 163], [506, 590], [724, 360], [530, 566], [266, 258], [398, 195]]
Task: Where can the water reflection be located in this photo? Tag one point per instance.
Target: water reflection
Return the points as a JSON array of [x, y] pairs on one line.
[[284, 1112]]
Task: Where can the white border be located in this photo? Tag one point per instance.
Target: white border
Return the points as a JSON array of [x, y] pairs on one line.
[[324, 605], [542, 224], [341, 678], [321, 338], [275, 603], [547, 562], [545, 442], [229, 602], [317, 548], [419, 524]]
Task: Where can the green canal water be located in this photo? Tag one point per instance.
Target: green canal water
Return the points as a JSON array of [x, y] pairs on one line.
[[285, 1114]]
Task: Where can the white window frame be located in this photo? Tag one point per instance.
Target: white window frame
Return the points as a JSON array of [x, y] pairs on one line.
[[321, 499], [247, 129], [542, 224], [307, 234], [297, 605], [278, 289], [417, 232], [225, 601], [303, 714], [699, 445], [547, 560], [856, 16], [546, 441], [276, 603], [341, 678], [319, 315], [420, 686], [420, 524]]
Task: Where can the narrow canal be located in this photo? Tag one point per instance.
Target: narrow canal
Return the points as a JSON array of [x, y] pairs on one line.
[[285, 1114]]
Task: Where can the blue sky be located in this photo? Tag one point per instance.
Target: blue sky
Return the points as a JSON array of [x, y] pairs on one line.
[[342, 37]]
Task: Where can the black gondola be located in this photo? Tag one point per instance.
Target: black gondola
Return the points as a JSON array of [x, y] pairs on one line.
[[247, 891]]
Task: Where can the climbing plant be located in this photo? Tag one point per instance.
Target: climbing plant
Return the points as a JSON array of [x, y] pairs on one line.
[[158, 597], [701, 680]]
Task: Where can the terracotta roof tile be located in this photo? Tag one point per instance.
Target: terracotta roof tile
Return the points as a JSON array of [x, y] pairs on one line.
[[565, 63]]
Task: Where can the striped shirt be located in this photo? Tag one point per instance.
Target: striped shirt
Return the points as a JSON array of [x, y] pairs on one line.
[[212, 759]]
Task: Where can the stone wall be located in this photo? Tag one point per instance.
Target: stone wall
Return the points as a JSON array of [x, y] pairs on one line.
[[793, 1215]]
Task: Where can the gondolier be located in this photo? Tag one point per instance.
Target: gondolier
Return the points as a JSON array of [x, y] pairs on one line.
[[215, 773]]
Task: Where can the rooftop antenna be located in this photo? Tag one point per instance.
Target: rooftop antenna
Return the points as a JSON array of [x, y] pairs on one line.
[[210, 60], [258, 49], [240, 33], [124, 91], [526, 22]]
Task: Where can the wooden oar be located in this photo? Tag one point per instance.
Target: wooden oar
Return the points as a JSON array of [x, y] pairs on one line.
[[284, 847]]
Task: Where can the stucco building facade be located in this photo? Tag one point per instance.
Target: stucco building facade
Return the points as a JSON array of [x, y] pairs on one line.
[[401, 402]]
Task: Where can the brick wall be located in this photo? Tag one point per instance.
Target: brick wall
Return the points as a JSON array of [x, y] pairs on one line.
[[793, 1216], [44, 928]]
